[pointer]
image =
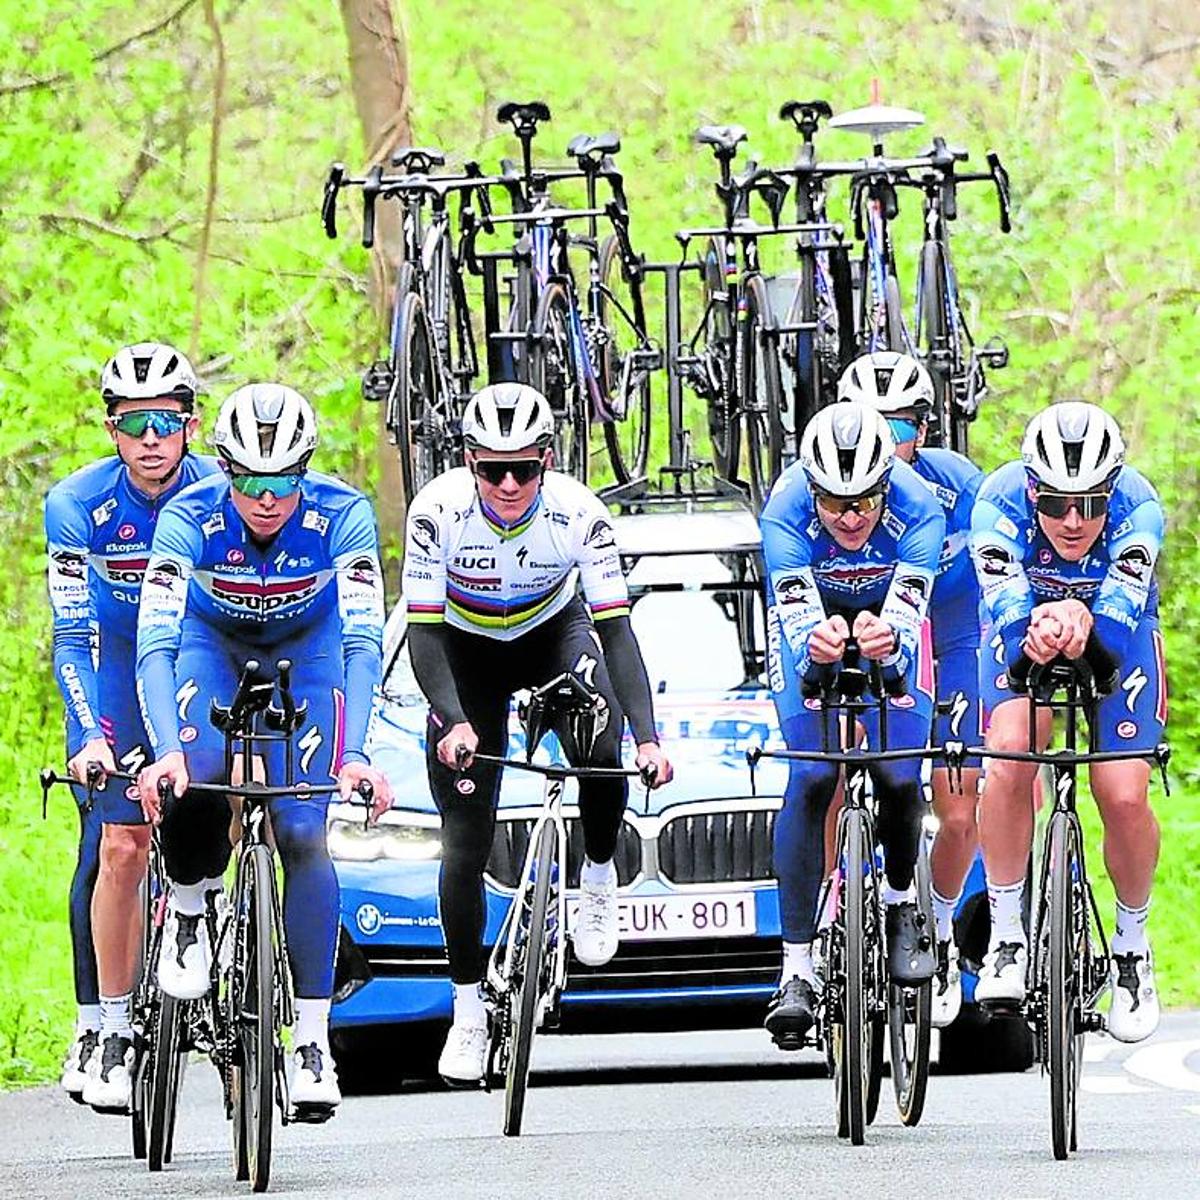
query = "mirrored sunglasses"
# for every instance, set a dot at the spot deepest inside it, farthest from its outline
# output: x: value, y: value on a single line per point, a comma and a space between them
x: 164, y: 422
x: 839, y: 505
x: 903, y: 430
x: 1057, y: 505
x: 253, y: 486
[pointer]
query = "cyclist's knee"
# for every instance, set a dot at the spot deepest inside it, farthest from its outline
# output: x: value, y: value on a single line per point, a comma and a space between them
x: 811, y: 784
x: 466, y: 839
x: 123, y: 851
x: 300, y: 834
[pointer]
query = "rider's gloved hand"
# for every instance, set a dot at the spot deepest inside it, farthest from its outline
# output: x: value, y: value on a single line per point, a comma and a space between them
x: 459, y: 735
x: 171, y: 766
x: 98, y: 751
x: 827, y: 642
x: 353, y: 773
x: 650, y: 754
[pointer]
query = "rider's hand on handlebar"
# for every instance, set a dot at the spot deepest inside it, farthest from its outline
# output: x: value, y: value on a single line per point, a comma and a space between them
x: 827, y: 642
x: 876, y: 638
x: 650, y: 755
x: 353, y: 773
x: 95, y: 751
x: 1075, y: 621
x: 172, y: 767
x: 460, y: 735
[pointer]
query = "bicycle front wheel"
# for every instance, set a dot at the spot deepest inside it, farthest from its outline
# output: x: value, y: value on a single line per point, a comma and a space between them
x: 168, y: 1059
x: 910, y: 1019
x: 553, y: 370
x: 762, y: 391
x: 625, y: 385
x: 254, y: 1017
x: 413, y: 415
x: 525, y: 989
x: 719, y: 355
x: 1068, y: 918
x: 934, y: 341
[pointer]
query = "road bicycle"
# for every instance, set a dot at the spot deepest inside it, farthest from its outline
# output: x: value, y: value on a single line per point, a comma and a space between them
x: 858, y: 1004
x: 527, y: 968
x: 1069, y: 963
x: 432, y: 361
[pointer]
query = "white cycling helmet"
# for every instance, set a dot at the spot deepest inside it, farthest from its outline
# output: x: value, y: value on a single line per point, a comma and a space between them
x: 266, y: 429
x: 507, y: 417
x: 888, y: 381
x: 148, y: 371
x: 1073, y: 447
x: 847, y: 450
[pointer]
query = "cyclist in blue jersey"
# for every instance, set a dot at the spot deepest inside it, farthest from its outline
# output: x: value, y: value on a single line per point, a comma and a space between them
x: 266, y: 560
x: 900, y: 388
x: 851, y: 540
x: 1065, y: 542
x: 495, y: 555
x: 99, y: 522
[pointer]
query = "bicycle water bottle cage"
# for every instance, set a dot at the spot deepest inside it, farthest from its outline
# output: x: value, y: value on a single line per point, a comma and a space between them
x: 724, y: 139
x: 589, y: 148
x: 523, y: 117
x: 418, y: 160
x: 568, y: 706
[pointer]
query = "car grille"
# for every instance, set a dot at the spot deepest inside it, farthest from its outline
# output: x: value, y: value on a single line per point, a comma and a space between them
x: 717, y: 847
x: 511, y: 841
x: 688, y: 962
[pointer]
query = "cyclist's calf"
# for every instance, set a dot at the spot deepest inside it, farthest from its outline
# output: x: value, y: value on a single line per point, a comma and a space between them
x: 195, y: 837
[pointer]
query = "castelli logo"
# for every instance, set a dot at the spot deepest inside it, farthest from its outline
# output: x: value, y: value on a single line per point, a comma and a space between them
x: 1127, y: 729
x: 126, y: 532
x: 465, y: 786
x: 188, y: 733
x: 235, y: 556
x: 905, y: 701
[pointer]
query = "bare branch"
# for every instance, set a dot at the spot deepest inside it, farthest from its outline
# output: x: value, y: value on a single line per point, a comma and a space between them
x: 29, y: 85
x: 1180, y: 46
x: 214, y: 150
x: 159, y: 233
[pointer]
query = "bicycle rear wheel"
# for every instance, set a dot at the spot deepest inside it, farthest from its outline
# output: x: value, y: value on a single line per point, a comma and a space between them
x: 724, y: 429
x: 525, y: 989
x: 422, y: 440
x: 910, y: 1019
x: 850, y: 1028
x: 896, y: 339
x: 1068, y: 917
x: 254, y: 1018
x: 168, y: 1059
x: 553, y: 370
x: 762, y: 391
x: 626, y: 387
x: 933, y: 339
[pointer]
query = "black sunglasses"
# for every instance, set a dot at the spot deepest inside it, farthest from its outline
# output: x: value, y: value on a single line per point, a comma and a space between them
x: 1057, y: 505
x: 522, y: 470
x: 840, y: 505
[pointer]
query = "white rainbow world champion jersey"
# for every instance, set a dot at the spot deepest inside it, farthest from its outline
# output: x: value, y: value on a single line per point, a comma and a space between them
x: 464, y: 567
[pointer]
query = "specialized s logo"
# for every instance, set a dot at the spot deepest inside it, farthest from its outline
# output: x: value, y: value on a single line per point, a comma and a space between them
x: 1133, y: 685
x: 424, y: 532
x: 309, y: 744
x: 522, y: 555
x: 959, y: 707
x: 134, y: 760
x: 184, y: 695
x: 600, y: 535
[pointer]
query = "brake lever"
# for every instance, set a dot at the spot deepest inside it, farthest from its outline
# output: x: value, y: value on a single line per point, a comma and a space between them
x: 954, y: 753
x: 1162, y: 756
x: 752, y: 757
x: 366, y: 789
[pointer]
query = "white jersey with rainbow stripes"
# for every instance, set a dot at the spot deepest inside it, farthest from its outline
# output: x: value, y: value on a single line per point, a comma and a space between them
x: 464, y: 566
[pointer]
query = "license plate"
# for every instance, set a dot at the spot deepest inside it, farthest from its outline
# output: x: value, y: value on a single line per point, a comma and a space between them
x: 661, y: 918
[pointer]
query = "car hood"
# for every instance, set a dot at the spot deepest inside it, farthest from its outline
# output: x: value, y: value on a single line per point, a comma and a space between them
x: 705, y: 734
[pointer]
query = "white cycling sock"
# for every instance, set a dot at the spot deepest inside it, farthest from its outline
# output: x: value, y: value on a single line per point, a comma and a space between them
x: 1130, y: 934
x: 114, y: 1016
x: 797, y: 961
x: 88, y: 1018
x: 1005, y: 901
x: 596, y: 874
x: 188, y: 898
x: 943, y: 912
x: 312, y: 1023
x: 469, y: 1008
x: 893, y: 895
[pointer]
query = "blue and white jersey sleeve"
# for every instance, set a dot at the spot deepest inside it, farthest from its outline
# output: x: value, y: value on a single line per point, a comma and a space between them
x: 68, y: 529
x: 355, y: 550
x: 1133, y: 551
x: 174, y: 553
x: 906, y: 604
x: 999, y: 541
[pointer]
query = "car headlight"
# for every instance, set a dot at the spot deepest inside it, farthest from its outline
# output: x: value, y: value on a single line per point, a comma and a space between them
x: 397, y: 842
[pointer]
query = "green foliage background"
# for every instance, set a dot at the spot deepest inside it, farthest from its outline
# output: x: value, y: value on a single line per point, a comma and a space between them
x: 103, y: 173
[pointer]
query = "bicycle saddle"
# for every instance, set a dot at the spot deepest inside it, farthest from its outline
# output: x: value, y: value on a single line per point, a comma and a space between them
x: 724, y: 137
x: 585, y: 145
x: 807, y: 112
x: 568, y: 706
x: 523, y: 115
x: 418, y: 160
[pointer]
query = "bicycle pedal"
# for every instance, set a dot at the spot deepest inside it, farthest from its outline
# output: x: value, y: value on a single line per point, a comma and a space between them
x: 312, y: 1114
x: 1000, y: 1008
x: 790, y: 1041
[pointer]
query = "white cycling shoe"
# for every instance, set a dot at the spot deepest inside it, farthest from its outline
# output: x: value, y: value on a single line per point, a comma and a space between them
x: 464, y: 1056
x: 185, y: 958
x: 947, y: 985
x: 1002, y: 976
x: 595, y: 934
x: 1134, y: 1013
x: 109, y: 1083
x: 314, y: 1083
x: 83, y: 1049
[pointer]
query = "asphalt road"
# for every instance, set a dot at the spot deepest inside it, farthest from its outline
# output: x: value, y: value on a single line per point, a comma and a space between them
x: 665, y: 1115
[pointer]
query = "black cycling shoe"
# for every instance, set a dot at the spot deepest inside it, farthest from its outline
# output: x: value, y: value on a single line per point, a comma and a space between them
x: 910, y: 950
x: 790, y: 1014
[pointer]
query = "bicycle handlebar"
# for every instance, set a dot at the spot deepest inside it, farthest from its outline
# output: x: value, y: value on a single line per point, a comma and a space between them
x: 647, y: 774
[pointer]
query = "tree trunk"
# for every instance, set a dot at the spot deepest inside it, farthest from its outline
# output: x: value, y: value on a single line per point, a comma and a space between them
x: 379, y: 76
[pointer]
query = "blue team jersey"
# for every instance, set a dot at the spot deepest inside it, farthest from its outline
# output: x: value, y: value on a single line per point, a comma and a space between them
x: 98, y: 533
x: 319, y: 574
x: 954, y: 481
x: 1018, y: 568
x: 808, y: 573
